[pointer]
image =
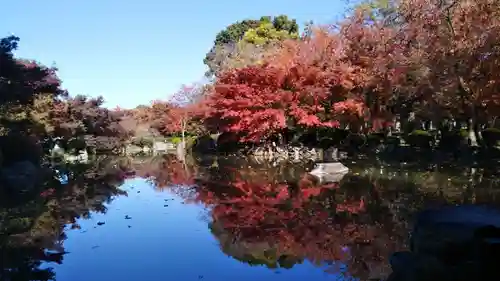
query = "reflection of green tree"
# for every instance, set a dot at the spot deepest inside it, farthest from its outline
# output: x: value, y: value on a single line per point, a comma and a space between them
x: 390, y: 197
x: 29, y: 227
x: 270, y: 259
x: 18, y: 264
x: 253, y: 254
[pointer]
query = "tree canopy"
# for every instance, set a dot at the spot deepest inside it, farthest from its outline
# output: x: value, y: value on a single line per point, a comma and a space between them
x: 34, y: 107
x: 234, y: 39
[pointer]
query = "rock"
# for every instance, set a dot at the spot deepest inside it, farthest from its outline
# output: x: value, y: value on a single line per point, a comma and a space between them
x: 329, y: 172
x: 133, y: 149
x: 22, y: 176
x: 57, y: 151
x: 436, y: 229
x: 159, y: 146
x: 81, y: 157
x: 451, y: 243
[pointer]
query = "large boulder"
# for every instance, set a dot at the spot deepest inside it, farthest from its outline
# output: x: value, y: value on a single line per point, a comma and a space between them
x: 439, y: 231
x: 451, y: 243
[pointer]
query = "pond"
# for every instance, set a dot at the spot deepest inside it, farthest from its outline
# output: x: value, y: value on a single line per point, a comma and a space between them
x: 225, y: 219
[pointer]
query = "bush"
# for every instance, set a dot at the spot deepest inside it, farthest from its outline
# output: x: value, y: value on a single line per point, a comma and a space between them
x: 491, y: 136
x: 202, y: 144
x: 228, y: 142
x: 142, y: 142
x: 16, y: 147
x: 175, y: 140
x: 450, y: 140
x: 375, y: 139
x: 339, y: 135
x: 420, y: 138
x: 394, y: 140
x: 326, y: 142
x: 355, y: 140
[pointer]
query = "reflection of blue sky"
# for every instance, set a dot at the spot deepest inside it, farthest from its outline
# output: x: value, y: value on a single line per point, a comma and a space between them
x: 163, y: 243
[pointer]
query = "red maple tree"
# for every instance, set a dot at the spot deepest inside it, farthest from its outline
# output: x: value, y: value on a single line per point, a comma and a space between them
x: 309, y: 85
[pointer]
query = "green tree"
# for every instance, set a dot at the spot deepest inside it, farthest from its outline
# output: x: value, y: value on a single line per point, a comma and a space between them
x: 259, y: 32
x: 231, y: 34
x: 267, y: 33
x: 385, y: 11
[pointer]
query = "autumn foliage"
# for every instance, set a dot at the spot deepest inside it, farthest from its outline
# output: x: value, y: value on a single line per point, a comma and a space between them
x: 182, y: 112
x: 292, y: 215
x: 434, y: 58
x: 35, y: 110
x: 424, y: 60
x: 386, y: 62
x: 309, y: 85
x: 300, y: 88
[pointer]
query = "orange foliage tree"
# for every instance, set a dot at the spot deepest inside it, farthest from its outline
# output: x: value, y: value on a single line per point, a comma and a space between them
x: 431, y: 59
x: 435, y: 59
x: 187, y: 108
x: 456, y: 42
x: 309, y: 85
x: 180, y: 114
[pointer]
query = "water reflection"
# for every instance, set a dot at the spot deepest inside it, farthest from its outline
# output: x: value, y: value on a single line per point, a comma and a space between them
x: 278, y: 216
x: 33, y: 228
x: 270, y: 218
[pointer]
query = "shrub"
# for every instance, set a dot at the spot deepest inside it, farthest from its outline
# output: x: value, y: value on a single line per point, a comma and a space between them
x: 375, y: 139
x: 421, y: 139
x: 142, y: 142
x: 450, y: 140
x: 491, y: 136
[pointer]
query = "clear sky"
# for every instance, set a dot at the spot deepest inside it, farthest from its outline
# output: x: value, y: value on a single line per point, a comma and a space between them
x: 132, y: 51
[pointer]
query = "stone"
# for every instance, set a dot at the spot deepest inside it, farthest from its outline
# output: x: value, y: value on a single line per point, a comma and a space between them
x: 133, y: 149
x: 57, y: 151
x: 81, y: 157
x: 159, y: 146
x: 329, y: 172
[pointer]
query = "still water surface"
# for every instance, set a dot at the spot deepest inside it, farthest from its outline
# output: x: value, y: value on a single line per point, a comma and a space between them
x: 162, y: 243
x: 226, y: 219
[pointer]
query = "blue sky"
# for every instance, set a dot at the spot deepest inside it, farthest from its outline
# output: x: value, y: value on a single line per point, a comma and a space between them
x: 131, y: 51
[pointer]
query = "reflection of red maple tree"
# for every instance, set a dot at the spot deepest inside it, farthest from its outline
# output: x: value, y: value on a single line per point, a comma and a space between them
x: 290, y: 218
x: 166, y: 170
x: 321, y: 222
x: 311, y: 220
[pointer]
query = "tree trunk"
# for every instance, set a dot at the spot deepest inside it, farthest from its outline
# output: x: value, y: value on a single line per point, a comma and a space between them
x: 474, y: 134
x: 183, y: 129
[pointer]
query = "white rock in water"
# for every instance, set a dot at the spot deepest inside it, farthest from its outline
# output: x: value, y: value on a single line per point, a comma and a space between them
x: 57, y: 151
x: 329, y: 172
